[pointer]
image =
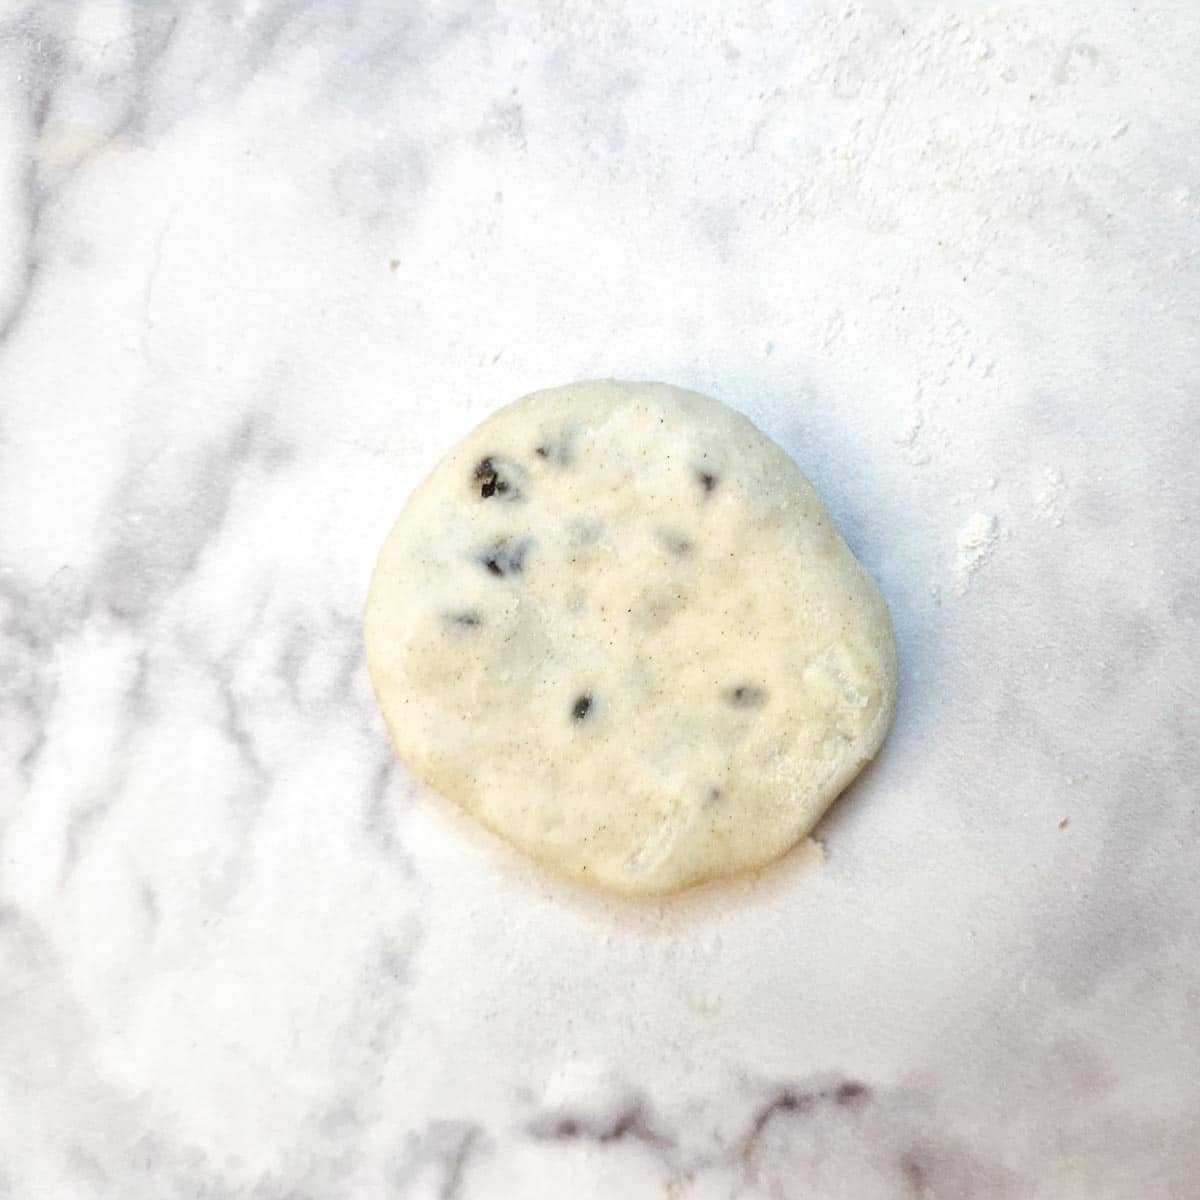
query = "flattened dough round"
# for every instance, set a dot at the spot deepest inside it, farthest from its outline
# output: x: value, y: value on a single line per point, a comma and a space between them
x: 617, y: 626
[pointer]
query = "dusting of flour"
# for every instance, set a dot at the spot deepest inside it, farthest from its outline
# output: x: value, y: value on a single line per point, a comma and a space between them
x: 976, y: 544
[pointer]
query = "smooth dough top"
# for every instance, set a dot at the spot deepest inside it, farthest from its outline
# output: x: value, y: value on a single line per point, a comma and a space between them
x: 617, y: 625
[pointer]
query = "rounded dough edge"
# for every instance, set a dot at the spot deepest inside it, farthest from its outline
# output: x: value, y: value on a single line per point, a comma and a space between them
x: 601, y: 398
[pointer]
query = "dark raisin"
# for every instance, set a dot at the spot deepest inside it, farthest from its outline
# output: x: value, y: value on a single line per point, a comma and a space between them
x: 746, y: 696
x: 707, y: 480
x: 582, y: 707
x: 558, y: 450
x: 491, y: 481
x: 468, y: 618
x: 486, y: 474
x: 505, y: 558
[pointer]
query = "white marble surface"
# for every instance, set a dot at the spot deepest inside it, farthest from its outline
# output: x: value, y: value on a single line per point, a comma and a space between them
x: 262, y: 263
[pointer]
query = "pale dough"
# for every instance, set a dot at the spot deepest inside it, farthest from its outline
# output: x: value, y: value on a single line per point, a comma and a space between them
x: 617, y: 625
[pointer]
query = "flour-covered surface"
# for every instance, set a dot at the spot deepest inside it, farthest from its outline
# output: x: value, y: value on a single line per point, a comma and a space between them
x: 264, y: 264
x: 617, y: 626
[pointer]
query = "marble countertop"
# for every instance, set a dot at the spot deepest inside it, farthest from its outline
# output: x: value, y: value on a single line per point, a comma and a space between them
x: 263, y: 262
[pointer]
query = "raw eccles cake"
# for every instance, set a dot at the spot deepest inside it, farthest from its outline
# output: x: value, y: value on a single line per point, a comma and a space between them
x: 617, y: 626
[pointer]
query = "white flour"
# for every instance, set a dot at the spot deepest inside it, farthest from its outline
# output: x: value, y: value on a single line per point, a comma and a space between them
x: 976, y: 544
